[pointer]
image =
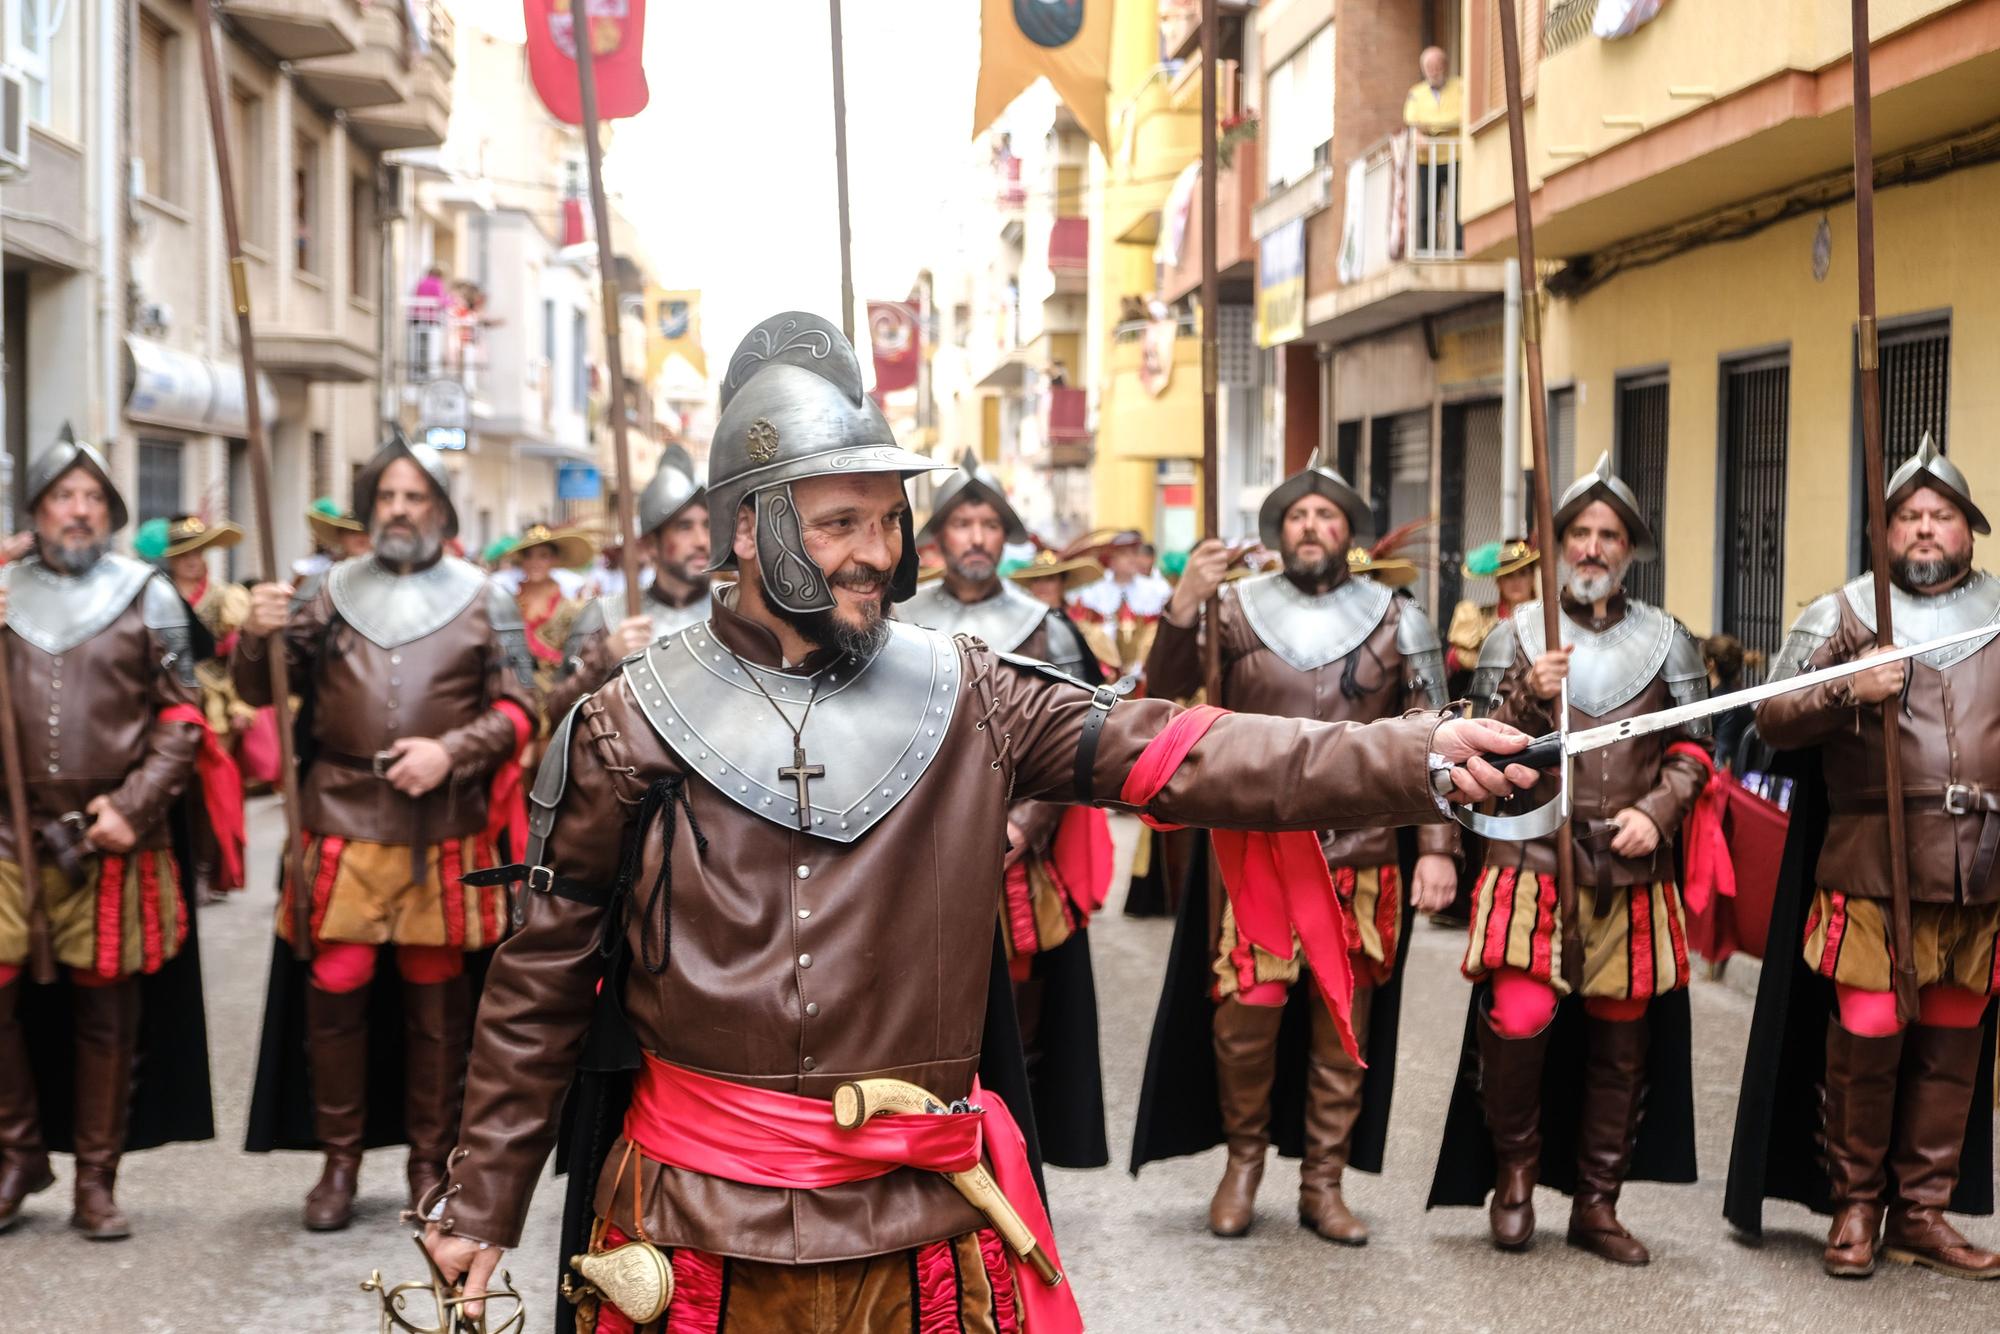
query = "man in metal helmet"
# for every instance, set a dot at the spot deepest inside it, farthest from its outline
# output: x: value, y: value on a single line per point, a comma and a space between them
x: 1903, y: 1105
x: 673, y: 536
x: 415, y: 676
x: 786, y: 826
x: 1312, y: 640
x: 1618, y: 658
x: 1058, y: 868
x: 107, y: 713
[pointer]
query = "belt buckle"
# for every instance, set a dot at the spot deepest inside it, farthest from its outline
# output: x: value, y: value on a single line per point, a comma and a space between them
x: 379, y: 762
x: 541, y: 879
x: 1959, y: 798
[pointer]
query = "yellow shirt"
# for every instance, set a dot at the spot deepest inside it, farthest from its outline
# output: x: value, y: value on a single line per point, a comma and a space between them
x: 1435, y: 110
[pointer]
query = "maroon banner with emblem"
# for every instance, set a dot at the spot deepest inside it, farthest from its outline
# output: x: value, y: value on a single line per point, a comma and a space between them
x: 893, y: 330
x: 617, y: 46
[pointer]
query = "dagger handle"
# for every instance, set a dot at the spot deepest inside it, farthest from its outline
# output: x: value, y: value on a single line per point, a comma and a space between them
x: 1544, y: 752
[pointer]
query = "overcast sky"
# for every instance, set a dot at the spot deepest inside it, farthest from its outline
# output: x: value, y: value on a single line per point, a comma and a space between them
x: 729, y: 171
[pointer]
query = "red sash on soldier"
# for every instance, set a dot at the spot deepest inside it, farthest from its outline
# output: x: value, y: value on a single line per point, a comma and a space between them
x: 221, y: 792
x: 1278, y: 884
x: 762, y: 1137
x: 506, y: 794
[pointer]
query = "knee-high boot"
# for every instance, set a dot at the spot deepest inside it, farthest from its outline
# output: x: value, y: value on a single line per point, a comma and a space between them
x: 1614, y: 1082
x: 1859, y: 1108
x: 1333, y: 1105
x: 1246, y: 1061
x: 437, y: 1029
x: 337, y: 1050
x: 1941, y: 1065
x: 107, y: 1039
x: 24, y: 1161
x: 1510, y: 1088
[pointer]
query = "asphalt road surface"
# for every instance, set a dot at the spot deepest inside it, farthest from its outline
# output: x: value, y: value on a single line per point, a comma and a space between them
x: 217, y: 1244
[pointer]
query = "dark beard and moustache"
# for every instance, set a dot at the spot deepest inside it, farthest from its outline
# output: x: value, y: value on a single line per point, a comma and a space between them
x: 403, y: 549
x: 1314, y: 575
x: 965, y: 570
x: 826, y: 629
x: 695, y: 577
x: 74, y: 560
x: 1917, y: 574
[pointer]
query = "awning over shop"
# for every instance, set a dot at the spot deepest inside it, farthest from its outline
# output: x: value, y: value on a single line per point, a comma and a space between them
x: 165, y: 386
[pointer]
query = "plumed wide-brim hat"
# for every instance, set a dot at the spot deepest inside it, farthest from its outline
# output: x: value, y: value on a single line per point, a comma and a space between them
x: 572, y: 547
x: 190, y: 532
x: 1493, y: 559
x: 1075, y: 572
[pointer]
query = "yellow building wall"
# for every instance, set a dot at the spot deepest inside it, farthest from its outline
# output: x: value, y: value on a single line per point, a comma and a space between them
x: 1934, y: 244
x: 1151, y: 142
x: 1716, y: 46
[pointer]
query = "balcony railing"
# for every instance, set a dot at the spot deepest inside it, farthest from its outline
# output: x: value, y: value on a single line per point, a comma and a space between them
x: 1409, y: 206
x: 440, y: 341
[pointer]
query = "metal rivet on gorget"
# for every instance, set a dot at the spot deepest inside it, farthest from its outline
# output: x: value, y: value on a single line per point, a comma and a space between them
x: 930, y: 731
x: 865, y: 810
x: 821, y: 819
x: 743, y: 789
x: 843, y: 824
x: 767, y: 801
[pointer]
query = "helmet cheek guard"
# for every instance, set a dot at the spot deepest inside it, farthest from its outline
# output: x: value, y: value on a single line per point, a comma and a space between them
x: 791, y: 578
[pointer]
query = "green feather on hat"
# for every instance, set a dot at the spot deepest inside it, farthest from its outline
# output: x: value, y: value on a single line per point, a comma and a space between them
x: 150, y: 542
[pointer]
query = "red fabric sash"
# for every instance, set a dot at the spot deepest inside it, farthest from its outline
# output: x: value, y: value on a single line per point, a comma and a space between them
x: 1082, y: 859
x: 762, y: 1137
x: 221, y: 792
x: 507, y: 794
x: 1277, y: 883
x: 1709, y: 872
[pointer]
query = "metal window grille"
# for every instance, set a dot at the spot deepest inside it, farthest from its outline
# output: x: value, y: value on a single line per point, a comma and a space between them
x: 1642, y: 462
x: 1469, y: 492
x: 1236, y: 345
x: 159, y: 479
x: 1756, y: 426
x: 1916, y: 389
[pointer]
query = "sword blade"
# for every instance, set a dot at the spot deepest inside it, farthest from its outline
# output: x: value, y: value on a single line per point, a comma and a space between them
x: 1595, y: 738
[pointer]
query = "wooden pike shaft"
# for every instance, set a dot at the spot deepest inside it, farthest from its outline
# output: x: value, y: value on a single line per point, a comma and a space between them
x: 41, y: 957
x: 260, y: 477
x: 607, y: 273
x: 1211, y: 453
x: 840, y: 170
x: 1874, y: 485
x: 1538, y: 416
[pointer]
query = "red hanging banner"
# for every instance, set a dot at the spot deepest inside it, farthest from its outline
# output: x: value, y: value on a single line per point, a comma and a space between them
x: 617, y: 45
x: 892, y: 329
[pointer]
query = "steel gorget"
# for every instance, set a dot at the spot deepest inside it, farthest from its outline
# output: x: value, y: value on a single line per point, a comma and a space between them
x: 1309, y: 632
x: 390, y: 609
x: 1002, y: 622
x: 1917, y: 619
x: 875, y: 728
x: 1610, y: 666
x: 56, y: 612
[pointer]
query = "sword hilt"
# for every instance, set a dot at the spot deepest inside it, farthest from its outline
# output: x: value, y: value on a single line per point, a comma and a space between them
x: 1544, y: 752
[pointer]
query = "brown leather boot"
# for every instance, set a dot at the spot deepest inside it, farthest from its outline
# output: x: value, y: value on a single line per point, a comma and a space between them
x: 106, y: 1021
x: 1333, y: 1104
x: 1614, y: 1080
x: 1246, y: 1060
x: 437, y: 1029
x: 337, y: 1051
x: 1510, y: 1088
x: 1859, y: 1108
x: 24, y: 1162
x: 1930, y: 1133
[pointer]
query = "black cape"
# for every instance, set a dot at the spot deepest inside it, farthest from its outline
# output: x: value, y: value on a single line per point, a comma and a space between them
x: 1775, y: 1154
x: 1665, y: 1148
x: 594, y: 1111
x: 170, y: 1088
x: 1067, y: 1085
x: 1179, y: 1108
x: 281, y: 1102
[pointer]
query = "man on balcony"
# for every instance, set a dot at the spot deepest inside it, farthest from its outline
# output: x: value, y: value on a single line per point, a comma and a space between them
x: 1433, y: 109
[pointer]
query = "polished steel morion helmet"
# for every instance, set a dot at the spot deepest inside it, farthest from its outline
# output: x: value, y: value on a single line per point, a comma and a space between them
x: 1315, y: 479
x: 674, y: 487
x: 428, y: 461
x: 1601, y: 483
x: 973, y: 481
x: 793, y: 407
x: 1929, y: 467
x: 69, y: 453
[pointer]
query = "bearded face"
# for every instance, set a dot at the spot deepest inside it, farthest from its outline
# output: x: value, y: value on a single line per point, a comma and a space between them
x: 1313, y: 542
x: 1596, y: 553
x: 73, y: 523
x: 970, y: 540
x: 407, y: 524
x: 1930, y: 542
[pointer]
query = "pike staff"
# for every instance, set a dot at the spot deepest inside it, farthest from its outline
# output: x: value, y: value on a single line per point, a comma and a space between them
x: 1538, y: 431
x: 1211, y: 459
x: 607, y: 272
x: 260, y: 477
x: 1873, y: 486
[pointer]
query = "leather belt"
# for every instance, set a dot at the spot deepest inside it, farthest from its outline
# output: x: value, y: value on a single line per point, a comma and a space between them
x: 1954, y: 799
x: 377, y: 766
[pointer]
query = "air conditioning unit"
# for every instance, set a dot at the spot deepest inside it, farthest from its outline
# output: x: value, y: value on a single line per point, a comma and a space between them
x: 13, y: 125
